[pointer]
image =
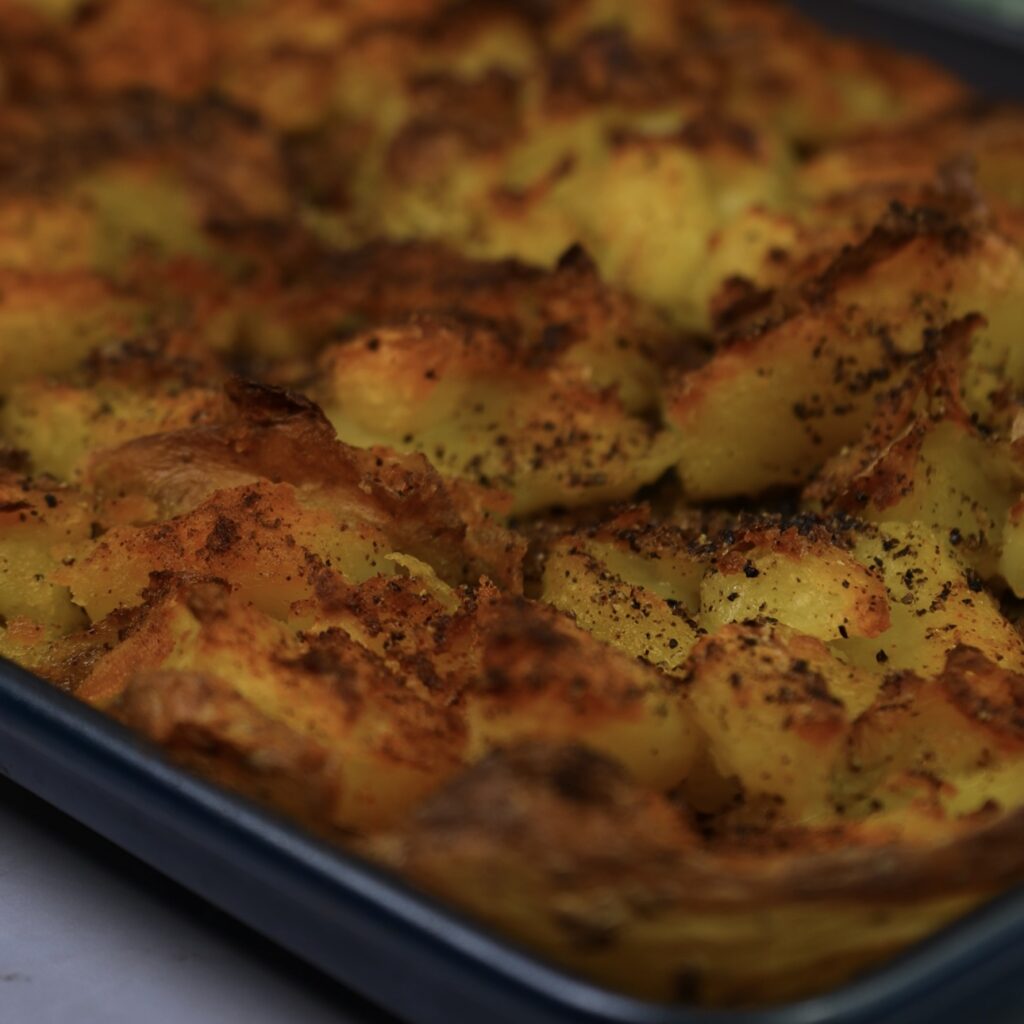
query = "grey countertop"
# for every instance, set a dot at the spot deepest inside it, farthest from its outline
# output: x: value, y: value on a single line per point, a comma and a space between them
x: 91, y: 936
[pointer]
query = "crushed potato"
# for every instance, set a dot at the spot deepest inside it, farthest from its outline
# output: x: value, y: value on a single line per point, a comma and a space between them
x: 571, y: 454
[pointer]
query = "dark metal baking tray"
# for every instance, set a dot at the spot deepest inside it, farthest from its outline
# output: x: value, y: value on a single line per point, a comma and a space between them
x: 421, y: 960
x: 964, y: 35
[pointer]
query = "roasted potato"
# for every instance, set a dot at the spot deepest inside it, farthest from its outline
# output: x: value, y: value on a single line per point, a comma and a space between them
x: 272, y: 714
x: 811, y: 366
x: 569, y: 453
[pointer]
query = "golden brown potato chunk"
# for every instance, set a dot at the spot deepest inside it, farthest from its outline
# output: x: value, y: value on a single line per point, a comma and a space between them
x: 231, y: 690
x: 924, y: 458
x: 545, y: 386
x: 955, y: 742
x: 774, y: 403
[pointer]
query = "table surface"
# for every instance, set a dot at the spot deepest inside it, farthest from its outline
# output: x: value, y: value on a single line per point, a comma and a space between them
x: 91, y: 936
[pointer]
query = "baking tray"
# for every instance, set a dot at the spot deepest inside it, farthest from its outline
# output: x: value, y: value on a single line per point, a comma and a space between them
x: 417, y: 958
x: 981, y: 40
x: 400, y: 949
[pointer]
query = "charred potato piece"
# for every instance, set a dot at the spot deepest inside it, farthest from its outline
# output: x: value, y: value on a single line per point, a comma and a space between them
x: 955, y: 742
x: 542, y: 677
x: 62, y: 424
x: 268, y: 434
x: 498, y: 168
x: 567, y: 317
x: 203, y: 723
x: 101, y: 184
x: 887, y: 597
x: 936, y: 603
x: 231, y: 690
x: 651, y: 209
x: 261, y: 536
x: 50, y: 323
x: 40, y: 530
x: 632, y: 584
x: 647, y: 202
x: 924, y: 459
x: 799, y: 577
x: 659, y: 584
x: 522, y: 422
x: 663, y: 558
x: 776, y: 707
x: 628, y: 617
x: 991, y: 137
x: 812, y: 371
x: 517, y: 669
